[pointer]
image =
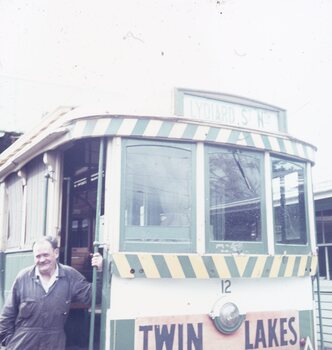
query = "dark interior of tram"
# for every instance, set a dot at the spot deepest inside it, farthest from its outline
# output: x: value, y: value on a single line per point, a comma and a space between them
x: 78, y: 229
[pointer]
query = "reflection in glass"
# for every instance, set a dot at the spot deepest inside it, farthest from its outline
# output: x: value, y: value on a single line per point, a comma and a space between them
x: 289, y: 202
x: 235, y: 195
x: 158, y: 192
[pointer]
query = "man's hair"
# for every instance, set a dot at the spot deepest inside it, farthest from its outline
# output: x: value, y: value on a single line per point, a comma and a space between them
x: 51, y: 240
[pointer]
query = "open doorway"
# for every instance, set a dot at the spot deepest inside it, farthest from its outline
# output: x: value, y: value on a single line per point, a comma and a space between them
x: 78, y: 234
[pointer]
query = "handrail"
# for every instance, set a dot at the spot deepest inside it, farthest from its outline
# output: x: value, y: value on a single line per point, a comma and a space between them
x: 68, y: 190
x: 96, y: 242
x: 319, y: 310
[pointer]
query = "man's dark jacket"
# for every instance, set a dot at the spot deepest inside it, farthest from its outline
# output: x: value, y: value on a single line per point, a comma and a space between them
x: 33, y: 319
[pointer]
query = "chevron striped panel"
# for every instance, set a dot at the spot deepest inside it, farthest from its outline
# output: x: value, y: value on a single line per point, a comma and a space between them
x: 186, y: 130
x: 145, y: 265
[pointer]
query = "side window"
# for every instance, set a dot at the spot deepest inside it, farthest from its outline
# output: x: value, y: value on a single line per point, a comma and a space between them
x: 235, y: 200
x: 14, y: 197
x: 289, y: 197
x: 25, y: 202
x: 35, y: 188
x: 158, y: 208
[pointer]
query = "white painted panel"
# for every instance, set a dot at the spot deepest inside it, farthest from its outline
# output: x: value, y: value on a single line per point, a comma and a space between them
x: 143, y: 297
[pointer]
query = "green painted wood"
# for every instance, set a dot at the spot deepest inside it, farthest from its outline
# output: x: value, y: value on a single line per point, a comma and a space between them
x: 307, y: 325
x: 122, y: 334
x: 15, y: 262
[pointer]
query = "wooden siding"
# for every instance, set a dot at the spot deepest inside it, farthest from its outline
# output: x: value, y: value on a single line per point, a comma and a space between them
x: 326, y: 313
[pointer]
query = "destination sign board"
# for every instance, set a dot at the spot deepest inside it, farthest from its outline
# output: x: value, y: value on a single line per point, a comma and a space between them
x: 229, y: 110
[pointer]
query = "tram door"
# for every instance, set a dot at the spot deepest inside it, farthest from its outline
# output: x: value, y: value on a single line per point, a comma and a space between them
x: 78, y: 226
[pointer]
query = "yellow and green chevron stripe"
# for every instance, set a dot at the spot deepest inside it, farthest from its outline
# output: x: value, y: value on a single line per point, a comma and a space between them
x: 145, y: 265
x: 177, y: 129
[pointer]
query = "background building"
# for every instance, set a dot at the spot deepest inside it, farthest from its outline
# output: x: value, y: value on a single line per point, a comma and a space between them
x: 7, y: 138
x: 323, y: 210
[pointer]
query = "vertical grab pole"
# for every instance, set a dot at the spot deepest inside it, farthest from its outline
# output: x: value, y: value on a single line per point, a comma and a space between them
x: 319, y: 308
x: 68, y: 183
x: 47, y: 176
x: 96, y: 243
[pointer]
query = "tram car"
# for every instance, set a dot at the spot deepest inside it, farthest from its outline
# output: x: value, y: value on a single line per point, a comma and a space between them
x: 204, y: 218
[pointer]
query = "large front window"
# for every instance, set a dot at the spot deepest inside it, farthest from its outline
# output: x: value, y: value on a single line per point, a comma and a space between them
x: 235, y: 199
x: 159, y: 204
x: 158, y: 196
x: 288, y: 190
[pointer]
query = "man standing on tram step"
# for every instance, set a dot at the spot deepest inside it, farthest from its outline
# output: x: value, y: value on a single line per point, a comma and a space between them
x: 35, y: 312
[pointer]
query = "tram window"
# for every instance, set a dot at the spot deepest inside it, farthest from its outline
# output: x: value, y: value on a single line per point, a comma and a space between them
x: 235, y: 196
x: 14, y: 197
x: 158, y: 196
x: 32, y: 206
x: 288, y: 192
x: 80, y: 232
x: 35, y: 188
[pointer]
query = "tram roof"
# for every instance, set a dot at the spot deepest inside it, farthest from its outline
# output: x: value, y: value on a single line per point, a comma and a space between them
x: 69, y: 123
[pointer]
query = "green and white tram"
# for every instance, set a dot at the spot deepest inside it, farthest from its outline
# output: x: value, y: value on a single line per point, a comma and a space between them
x: 205, y: 220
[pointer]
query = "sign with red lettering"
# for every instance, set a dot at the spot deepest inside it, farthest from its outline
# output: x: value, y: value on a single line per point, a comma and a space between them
x: 265, y: 330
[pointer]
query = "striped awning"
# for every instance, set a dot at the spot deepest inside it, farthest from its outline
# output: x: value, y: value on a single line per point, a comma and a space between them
x: 144, y: 265
x: 176, y: 129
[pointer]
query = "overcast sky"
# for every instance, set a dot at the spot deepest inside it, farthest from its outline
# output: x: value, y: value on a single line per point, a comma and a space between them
x: 276, y: 51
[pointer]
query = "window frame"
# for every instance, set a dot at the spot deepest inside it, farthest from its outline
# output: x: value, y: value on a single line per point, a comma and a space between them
x: 227, y: 246
x: 293, y: 248
x: 15, y: 204
x: 164, y: 246
x: 35, y: 172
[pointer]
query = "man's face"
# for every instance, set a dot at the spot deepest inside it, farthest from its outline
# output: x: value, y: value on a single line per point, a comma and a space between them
x: 45, y: 257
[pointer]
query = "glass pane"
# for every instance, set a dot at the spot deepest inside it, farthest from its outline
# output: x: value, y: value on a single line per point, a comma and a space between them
x: 319, y: 231
x: 158, y: 189
x: 329, y: 254
x: 322, y: 261
x: 235, y: 195
x: 289, y: 202
x: 327, y: 227
x: 324, y: 226
x: 35, y: 192
x: 14, y: 195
